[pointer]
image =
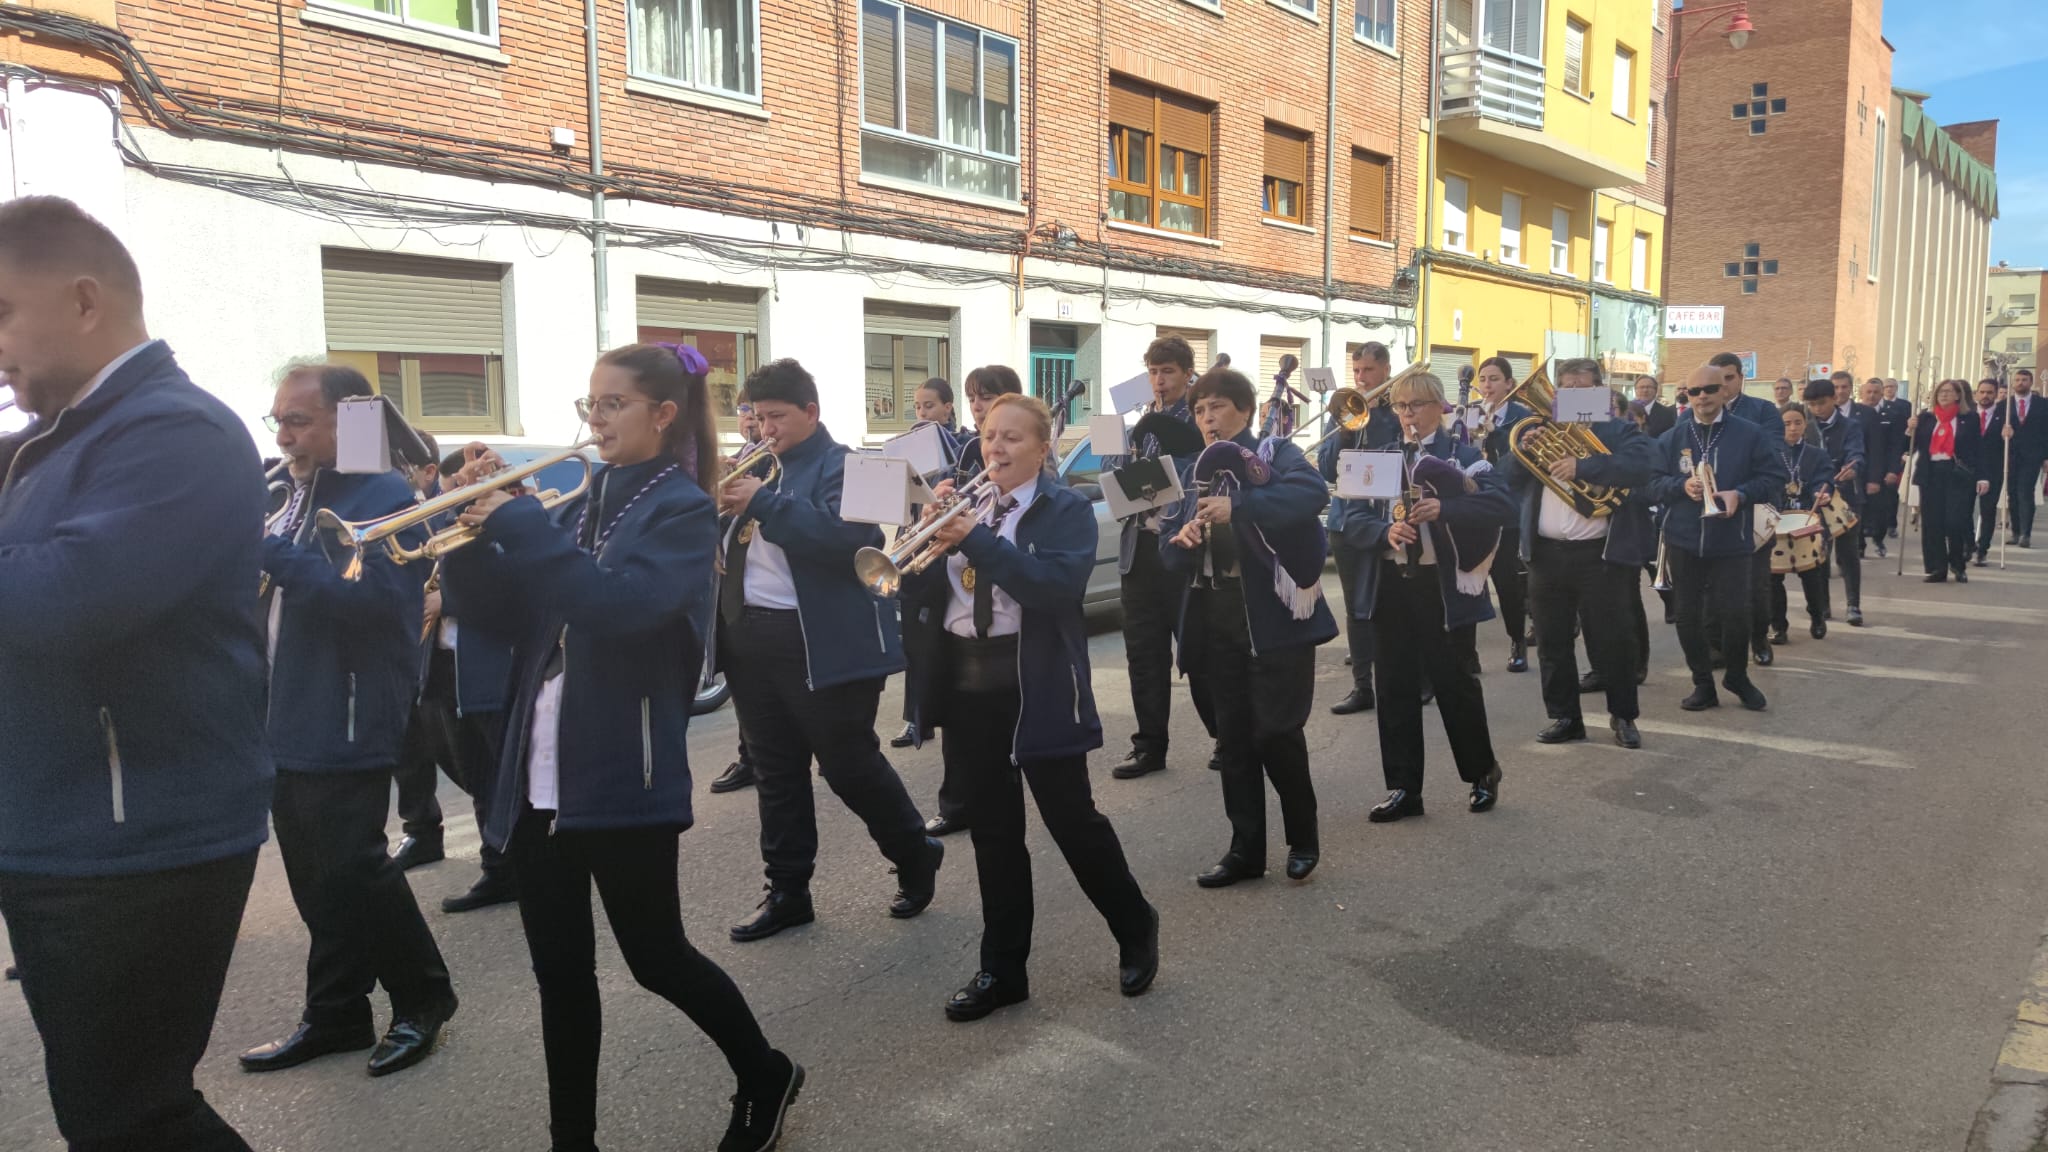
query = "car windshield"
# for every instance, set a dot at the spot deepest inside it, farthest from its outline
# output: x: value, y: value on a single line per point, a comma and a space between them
x: 1083, y: 466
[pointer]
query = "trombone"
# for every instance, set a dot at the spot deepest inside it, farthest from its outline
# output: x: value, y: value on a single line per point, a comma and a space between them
x: 360, y: 535
x: 750, y: 459
x: 1353, y: 408
x: 882, y: 572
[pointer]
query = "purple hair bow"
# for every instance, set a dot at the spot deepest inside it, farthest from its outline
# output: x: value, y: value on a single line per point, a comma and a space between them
x: 693, y: 360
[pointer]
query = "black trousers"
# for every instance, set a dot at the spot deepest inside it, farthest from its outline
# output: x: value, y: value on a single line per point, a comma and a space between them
x: 1150, y: 602
x: 1632, y: 595
x: 366, y: 926
x: 635, y: 873
x: 1848, y: 558
x: 788, y: 725
x: 122, y: 975
x: 2026, y: 481
x: 1946, y: 495
x: 1720, y: 585
x: 465, y: 746
x: 1414, y: 647
x: 1987, y: 512
x: 1568, y: 583
x: 1814, y: 582
x: 1262, y: 703
x: 1358, y: 634
x: 1511, y: 586
x: 1881, y: 512
x: 425, y: 755
x: 977, y: 756
x: 1760, y: 596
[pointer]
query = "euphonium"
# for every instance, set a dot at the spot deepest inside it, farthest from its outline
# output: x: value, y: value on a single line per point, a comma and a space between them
x: 1556, y: 442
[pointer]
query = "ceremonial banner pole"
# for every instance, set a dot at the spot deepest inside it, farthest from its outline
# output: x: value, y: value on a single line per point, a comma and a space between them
x: 1906, y: 473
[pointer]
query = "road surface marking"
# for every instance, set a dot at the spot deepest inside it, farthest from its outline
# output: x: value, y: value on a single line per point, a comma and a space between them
x: 1823, y: 749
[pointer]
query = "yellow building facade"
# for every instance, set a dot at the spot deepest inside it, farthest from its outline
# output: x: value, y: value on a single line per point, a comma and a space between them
x: 1545, y: 237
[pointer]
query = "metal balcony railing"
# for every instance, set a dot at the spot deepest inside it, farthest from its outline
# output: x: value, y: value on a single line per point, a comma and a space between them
x: 1490, y: 83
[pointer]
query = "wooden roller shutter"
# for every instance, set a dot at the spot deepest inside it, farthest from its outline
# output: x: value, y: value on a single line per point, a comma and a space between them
x: 878, y: 66
x: 1271, y: 349
x: 1369, y: 195
x: 1130, y: 103
x: 1286, y: 154
x: 387, y: 302
x: 920, y: 75
x: 1185, y: 123
x: 1197, y: 339
x: 684, y: 304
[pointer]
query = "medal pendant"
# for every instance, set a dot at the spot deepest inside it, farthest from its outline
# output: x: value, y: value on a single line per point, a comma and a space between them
x: 967, y: 578
x: 1685, y: 461
x: 747, y: 532
x: 1400, y: 513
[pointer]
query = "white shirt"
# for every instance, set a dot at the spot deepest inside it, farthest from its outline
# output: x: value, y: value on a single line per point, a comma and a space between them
x: 1428, y: 543
x: 543, y: 748
x: 769, y: 582
x: 113, y: 366
x: 1008, y: 616
x: 1556, y: 519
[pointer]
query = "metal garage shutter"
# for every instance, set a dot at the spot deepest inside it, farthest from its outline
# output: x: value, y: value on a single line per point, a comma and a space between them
x: 1197, y: 339
x: 687, y: 304
x: 1271, y: 349
x: 909, y: 320
x: 1523, y: 364
x: 387, y: 302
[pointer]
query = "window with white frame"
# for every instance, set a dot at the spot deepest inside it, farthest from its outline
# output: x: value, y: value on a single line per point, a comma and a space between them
x: 474, y: 18
x: 1375, y: 22
x: 1511, y: 26
x: 905, y: 345
x: 1306, y: 7
x: 705, y: 44
x: 1600, y: 251
x: 2020, y: 344
x: 1510, y: 228
x: 429, y: 333
x: 2021, y: 302
x: 1561, y: 241
x: 1575, y: 57
x: 1457, y: 196
x: 1877, y: 197
x: 1622, y: 98
x: 1650, y: 135
x: 1639, y: 262
x: 938, y: 102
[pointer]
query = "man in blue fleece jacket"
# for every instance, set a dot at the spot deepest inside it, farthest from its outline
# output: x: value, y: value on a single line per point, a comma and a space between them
x: 134, y: 777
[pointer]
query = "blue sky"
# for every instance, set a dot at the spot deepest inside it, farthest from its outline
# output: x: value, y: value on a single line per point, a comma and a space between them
x: 1984, y: 60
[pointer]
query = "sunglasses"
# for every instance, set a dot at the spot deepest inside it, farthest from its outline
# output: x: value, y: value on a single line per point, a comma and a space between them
x: 1703, y: 390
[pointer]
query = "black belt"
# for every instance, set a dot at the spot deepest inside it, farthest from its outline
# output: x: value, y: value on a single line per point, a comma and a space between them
x: 983, y: 664
x: 1596, y: 543
x: 771, y: 613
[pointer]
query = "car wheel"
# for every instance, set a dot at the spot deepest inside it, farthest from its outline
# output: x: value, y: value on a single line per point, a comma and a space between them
x: 712, y: 693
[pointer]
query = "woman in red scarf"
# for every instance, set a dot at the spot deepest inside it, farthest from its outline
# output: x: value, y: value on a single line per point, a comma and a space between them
x: 1945, y: 465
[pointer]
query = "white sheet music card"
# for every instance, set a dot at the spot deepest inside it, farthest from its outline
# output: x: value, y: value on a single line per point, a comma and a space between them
x: 876, y: 490
x: 922, y: 447
x: 361, y: 439
x: 1107, y: 436
x: 1141, y: 486
x: 1132, y: 394
x: 1583, y: 405
x: 1320, y: 379
x: 1363, y: 475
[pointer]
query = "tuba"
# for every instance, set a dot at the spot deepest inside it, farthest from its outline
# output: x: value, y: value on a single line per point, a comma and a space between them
x: 1555, y: 442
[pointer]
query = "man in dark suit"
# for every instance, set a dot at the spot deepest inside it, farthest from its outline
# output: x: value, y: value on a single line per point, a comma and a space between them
x: 1764, y: 415
x: 1842, y: 435
x: 2027, y: 427
x: 1659, y: 416
x: 1886, y: 455
x: 1990, y: 465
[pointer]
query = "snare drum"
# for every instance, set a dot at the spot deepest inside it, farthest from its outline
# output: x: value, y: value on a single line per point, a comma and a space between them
x: 1838, y: 517
x: 1801, y: 545
x: 1763, y: 525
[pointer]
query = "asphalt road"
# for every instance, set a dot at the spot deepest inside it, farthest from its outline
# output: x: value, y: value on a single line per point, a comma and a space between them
x: 1804, y: 929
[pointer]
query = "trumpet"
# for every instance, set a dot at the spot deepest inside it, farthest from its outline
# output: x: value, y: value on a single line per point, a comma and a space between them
x: 882, y: 572
x: 751, y: 459
x: 360, y: 535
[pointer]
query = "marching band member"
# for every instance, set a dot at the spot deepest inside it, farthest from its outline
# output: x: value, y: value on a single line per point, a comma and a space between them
x: 1763, y: 414
x: 1511, y: 575
x: 136, y: 773
x: 1712, y: 554
x: 1810, y: 481
x: 1426, y: 597
x: 344, y: 671
x: 610, y: 597
x: 982, y: 386
x: 1010, y: 687
x: 740, y: 773
x: 1843, y: 431
x: 1583, y: 568
x: 1370, y: 366
x: 1946, y: 457
x: 808, y: 650
x: 935, y: 403
x: 1247, y: 568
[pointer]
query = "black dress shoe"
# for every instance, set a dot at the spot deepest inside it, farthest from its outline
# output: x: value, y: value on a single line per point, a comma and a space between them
x: 983, y: 995
x: 1781, y: 635
x: 915, y: 888
x: 1300, y: 863
x: 1358, y: 701
x: 306, y: 1043
x: 1228, y: 871
x: 1643, y: 675
x: 1703, y: 697
x: 1748, y: 694
x: 1561, y: 731
x: 1216, y: 760
x: 1139, y: 764
x: 905, y: 738
x: 737, y: 775
x: 409, y: 1040
x: 13, y: 973
x: 1977, y: 561
x: 1880, y: 550
x: 1962, y: 576
x: 1592, y: 682
x: 1399, y: 805
x: 760, y: 1107
x: 414, y: 852
x: 1935, y: 578
x: 779, y: 909
x: 1137, y: 965
x: 1855, y: 616
x: 1763, y: 654
x: 1428, y: 693
x: 1819, y: 630
x: 1487, y: 792
x: 1518, y: 660
x: 490, y: 888
x: 1625, y: 733
x: 943, y: 826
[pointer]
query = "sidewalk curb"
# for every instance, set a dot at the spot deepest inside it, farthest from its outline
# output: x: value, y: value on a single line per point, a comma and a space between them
x: 2014, y: 1118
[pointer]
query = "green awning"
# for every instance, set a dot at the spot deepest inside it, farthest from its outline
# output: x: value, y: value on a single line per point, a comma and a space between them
x: 1966, y: 172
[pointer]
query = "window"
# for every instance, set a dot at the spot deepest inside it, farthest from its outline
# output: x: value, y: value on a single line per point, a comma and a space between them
x: 1759, y: 89
x: 1650, y: 135
x: 905, y: 346
x: 1877, y: 196
x: 707, y: 44
x: 1511, y: 26
x: 1639, y: 262
x: 1561, y: 241
x: 1456, y: 194
x: 1756, y: 127
x: 473, y: 17
x: 1369, y: 184
x: 430, y: 333
x: 1307, y: 7
x: 938, y: 102
x: 1575, y: 56
x: 1749, y: 287
x: 2020, y: 344
x: 1600, y: 251
x: 1158, y: 158
x: 1770, y: 267
x: 2022, y: 303
x: 1510, y: 228
x: 1752, y: 251
x: 723, y: 323
x: 1622, y: 98
x: 1284, y: 193
x: 1375, y: 22
x: 1200, y: 340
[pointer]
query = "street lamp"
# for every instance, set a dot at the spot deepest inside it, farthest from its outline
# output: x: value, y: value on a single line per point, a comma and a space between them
x: 1737, y: 31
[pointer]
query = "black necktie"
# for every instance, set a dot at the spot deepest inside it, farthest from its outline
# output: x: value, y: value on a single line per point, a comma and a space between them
x: 1408, y: 457
x: 732, y: 592
x: 984, y: 590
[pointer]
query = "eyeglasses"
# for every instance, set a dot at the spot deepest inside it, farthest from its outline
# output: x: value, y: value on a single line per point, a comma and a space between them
x: 1412, y: 405
x: 1705, y: 390
x: 609, y: 407
x: 295, y: 421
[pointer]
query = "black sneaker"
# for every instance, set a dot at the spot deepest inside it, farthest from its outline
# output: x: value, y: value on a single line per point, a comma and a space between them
x: 758, y: 1110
